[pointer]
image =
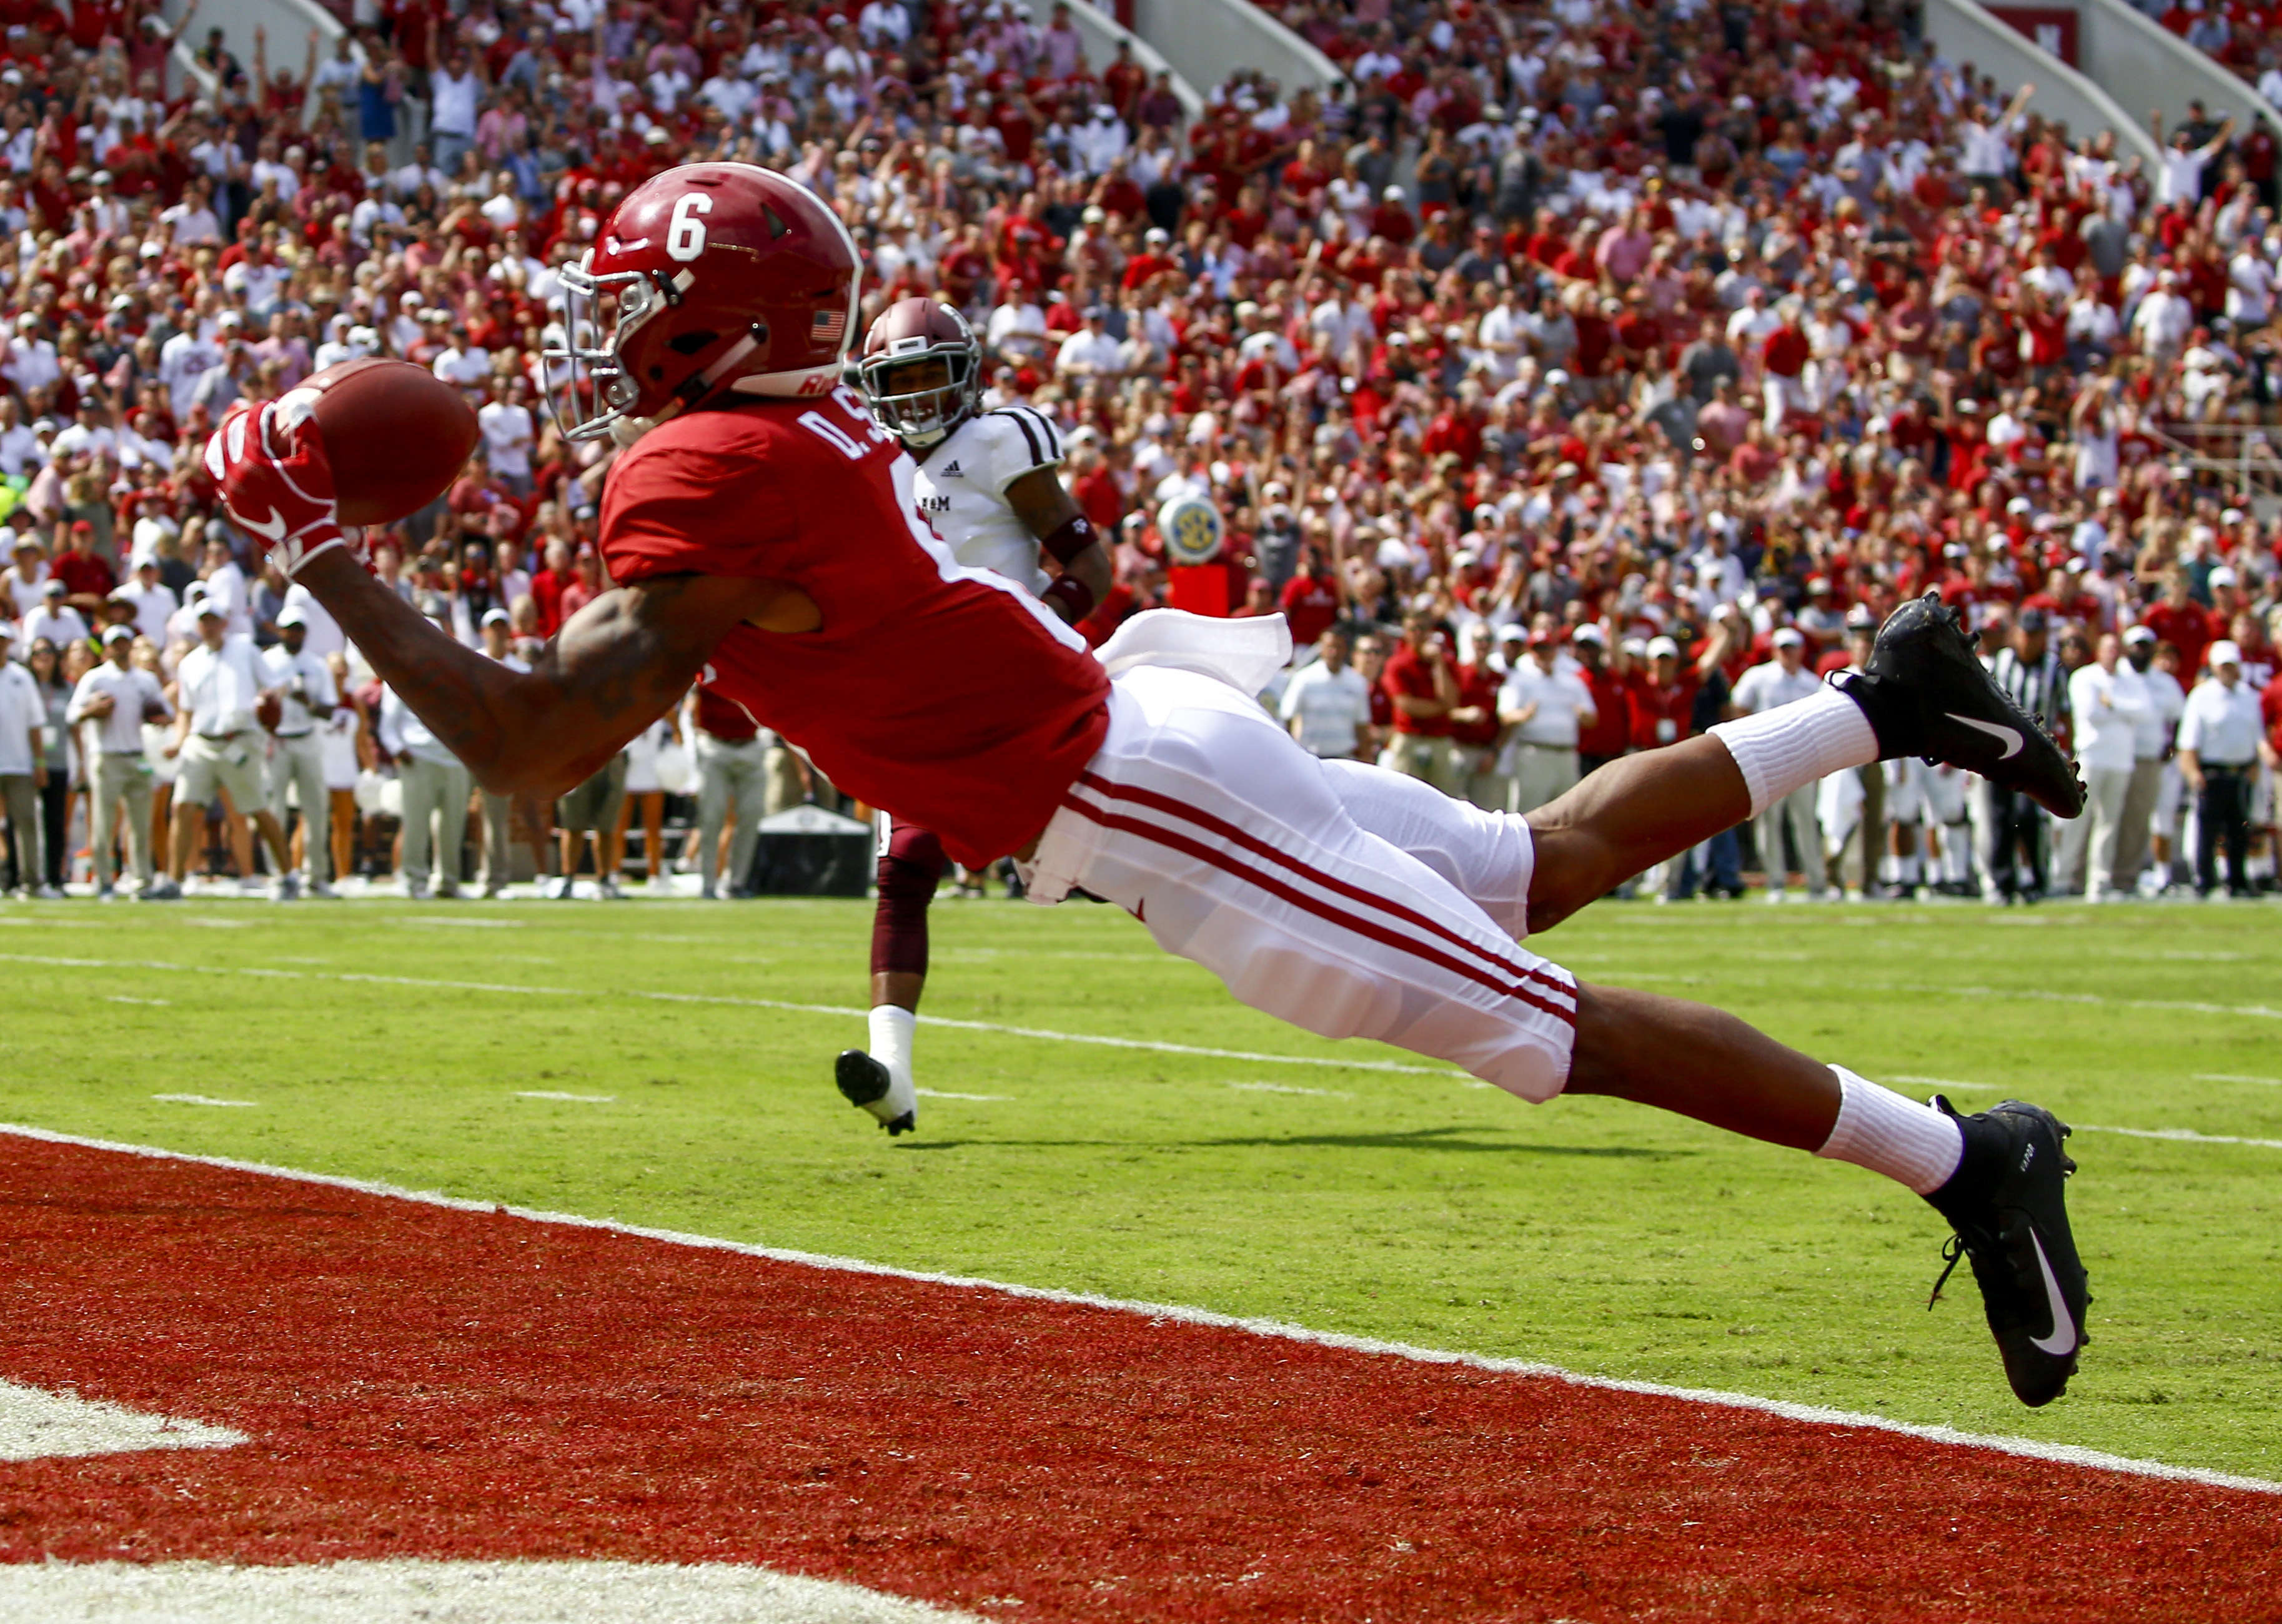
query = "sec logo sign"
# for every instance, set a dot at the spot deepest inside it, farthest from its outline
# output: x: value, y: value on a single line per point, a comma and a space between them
x: 1192, y: 530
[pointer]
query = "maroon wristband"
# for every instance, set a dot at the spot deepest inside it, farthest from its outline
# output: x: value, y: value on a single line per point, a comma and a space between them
x: 1070, y: 596
x: 1071, y: 539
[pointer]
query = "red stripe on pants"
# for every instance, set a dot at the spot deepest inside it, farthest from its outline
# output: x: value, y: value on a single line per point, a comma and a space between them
x: 1298, y: 899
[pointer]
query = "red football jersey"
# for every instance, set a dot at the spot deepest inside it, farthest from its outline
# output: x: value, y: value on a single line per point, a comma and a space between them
x: 945, y: 695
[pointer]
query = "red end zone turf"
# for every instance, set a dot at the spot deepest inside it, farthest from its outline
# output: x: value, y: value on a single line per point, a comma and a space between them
x: 422, y: 1381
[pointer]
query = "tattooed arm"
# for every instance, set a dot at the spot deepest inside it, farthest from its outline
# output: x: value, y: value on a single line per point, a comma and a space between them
x: 618, y: 664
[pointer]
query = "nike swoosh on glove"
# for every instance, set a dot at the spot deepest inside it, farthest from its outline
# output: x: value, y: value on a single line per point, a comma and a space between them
x: 286, y: 501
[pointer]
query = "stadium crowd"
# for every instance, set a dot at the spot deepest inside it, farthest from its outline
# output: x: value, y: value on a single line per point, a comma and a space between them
x: 1573, y: 374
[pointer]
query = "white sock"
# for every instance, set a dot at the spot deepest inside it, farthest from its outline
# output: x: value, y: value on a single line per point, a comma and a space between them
x: 1793, y: 745
x: 892, y: 1029
x: 1890, y: 1133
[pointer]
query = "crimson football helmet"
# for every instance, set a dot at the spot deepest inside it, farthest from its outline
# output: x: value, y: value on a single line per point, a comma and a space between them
x: 917, y: 401
x: 712, y: 277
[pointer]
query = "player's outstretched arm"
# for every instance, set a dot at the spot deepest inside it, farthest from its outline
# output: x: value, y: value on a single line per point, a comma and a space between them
x: 617, y: 665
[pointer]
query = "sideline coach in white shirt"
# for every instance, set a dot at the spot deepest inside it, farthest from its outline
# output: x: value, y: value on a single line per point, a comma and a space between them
x: 1327, y: 704
x: 218, y: 742
x: 1544, y: 706
x: 307, y: 696
x: 436, y: 791
x: 1783, y: 681
x: 23, y: 769
x: 111, y: 703
x: 2222, y: 739
x: 2107, y: 698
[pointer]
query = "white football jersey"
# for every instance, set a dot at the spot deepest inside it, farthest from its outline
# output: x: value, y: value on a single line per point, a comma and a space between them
x: 962, y: 490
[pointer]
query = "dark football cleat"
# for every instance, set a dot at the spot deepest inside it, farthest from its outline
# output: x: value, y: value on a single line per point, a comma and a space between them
x: 1927, y: 694
x: 868, y: 1083
x: 2007, y: 1203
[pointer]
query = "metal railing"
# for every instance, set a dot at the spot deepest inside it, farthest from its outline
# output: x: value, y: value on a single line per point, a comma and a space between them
x: 2243, y: 456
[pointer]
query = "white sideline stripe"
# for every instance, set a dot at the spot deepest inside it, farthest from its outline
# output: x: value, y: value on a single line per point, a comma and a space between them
x: 2030, y: 1449
x: 937, y: 1093
x: 400, y: 1590
x: 700, y: 997
x: 204, y: 1099
x: 2229, y: 1077
x: 553, y: 1094
x: 37, y: 1424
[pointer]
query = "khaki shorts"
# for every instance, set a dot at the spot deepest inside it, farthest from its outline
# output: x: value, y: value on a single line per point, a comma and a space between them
x: 594, y: 806
x: 212, y: 765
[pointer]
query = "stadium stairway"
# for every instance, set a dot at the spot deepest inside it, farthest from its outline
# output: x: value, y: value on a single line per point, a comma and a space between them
x: 2147, y: 67
x: 1965, y: 31
x: 1101, y: 31
x: 1205, y: 39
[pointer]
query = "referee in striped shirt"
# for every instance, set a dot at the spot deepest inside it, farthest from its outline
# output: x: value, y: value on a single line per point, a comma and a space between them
x: 2015, y: 850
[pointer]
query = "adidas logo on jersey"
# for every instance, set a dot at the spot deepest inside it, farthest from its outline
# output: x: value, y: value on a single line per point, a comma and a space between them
x: 950, y: 472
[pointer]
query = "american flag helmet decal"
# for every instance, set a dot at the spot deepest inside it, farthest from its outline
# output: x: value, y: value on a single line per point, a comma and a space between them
x: 829, y: 326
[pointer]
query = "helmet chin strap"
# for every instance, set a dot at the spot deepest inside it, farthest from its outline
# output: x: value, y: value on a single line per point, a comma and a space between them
x: 697, y: 385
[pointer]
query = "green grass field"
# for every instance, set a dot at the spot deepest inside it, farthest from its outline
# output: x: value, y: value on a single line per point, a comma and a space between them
x: 1424, y: 1207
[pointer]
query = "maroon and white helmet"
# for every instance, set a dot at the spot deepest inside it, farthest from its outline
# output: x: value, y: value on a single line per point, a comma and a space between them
x: 713, y: 276
x: 922, y: 371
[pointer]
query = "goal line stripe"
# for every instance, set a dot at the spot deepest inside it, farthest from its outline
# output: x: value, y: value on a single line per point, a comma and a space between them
x: 1815, y: 1414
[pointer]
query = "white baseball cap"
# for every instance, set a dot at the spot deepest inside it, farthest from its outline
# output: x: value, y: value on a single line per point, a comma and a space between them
x: 2226, y: 651
x: 1661, y: 648
x: 1788, y: 637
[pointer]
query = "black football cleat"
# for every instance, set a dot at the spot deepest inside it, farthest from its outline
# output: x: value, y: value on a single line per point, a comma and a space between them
x: 1927, y: 694
x: 868, y: 1083
x: 2007, y: 1203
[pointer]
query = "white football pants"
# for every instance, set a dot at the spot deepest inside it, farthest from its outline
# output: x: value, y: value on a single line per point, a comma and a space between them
x: 1348, y: 900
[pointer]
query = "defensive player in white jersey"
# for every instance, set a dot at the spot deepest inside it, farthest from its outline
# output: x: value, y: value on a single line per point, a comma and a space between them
x: 988, y: 483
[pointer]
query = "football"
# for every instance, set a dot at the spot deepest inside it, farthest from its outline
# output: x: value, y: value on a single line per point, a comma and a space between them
x: 397, y: 434
x: 269, y: 709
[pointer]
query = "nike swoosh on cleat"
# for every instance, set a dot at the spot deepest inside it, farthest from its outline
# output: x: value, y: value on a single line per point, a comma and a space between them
x: 271, y: 529
x: 2010, y: 738
x: 2062, y: 1339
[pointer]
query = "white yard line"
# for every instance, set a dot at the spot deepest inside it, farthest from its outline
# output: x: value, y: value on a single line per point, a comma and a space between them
x: 846, y: 1012
x: 401, y: 1590
x: 244, y: 1105
x: 2184, y: 1135
x: 550, y: 1093
x: 2036, y: 995
x: 1819, y: 1415
x: 1095, y: 1039
x: 840, y: 1011
x: 937, y: 1093
x: 37, y: 1424
x: 2229, y: 1077
x: 2187, y: 1135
